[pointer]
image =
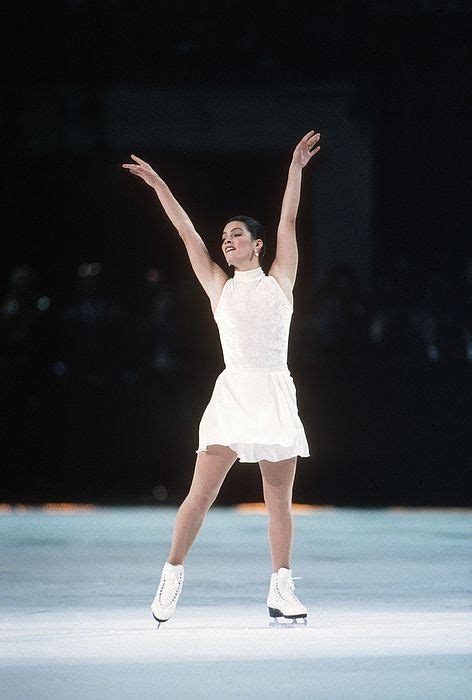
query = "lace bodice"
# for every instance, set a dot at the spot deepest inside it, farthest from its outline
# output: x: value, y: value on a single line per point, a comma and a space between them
x: 253, y: 317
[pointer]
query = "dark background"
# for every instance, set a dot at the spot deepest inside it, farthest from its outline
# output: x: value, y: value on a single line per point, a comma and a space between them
x: 108, y: 348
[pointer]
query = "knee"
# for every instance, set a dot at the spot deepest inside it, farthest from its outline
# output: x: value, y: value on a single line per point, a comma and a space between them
x: 278, y: 500
x: 201, y: 501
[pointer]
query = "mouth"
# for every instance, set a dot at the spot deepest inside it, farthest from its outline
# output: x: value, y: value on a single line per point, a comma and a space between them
x: 228, y: 250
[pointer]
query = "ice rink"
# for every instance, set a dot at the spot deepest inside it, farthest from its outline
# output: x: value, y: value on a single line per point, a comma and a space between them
x: 387, y: 590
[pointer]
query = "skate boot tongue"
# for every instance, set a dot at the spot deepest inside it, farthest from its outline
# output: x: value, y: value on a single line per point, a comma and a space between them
x: 176, y: 568
x: 286, y: 574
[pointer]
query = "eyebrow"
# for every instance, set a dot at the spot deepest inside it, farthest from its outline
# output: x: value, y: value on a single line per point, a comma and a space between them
x: 236, y: 228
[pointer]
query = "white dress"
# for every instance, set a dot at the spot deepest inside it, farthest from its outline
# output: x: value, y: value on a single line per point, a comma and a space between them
x: 253, y: 407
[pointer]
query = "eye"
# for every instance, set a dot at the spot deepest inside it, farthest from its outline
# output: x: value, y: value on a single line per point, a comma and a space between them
x: 236, y: 234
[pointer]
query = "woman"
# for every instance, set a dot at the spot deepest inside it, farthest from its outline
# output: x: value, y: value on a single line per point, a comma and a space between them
x: 252, y: 413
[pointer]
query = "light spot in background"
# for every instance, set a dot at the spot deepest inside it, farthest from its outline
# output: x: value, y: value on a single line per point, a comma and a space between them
x: 67, y: 508
x: 377, y: 329
x: 20, y: 509
x: 131, y: 376
x: 89, y: 269
x: 10, y: 307
x: 43, y: 303
x: 162, y: 360
x: 59, y: 368
x: 160, y: 492
x: 51, y: 508
x: 152, y: 275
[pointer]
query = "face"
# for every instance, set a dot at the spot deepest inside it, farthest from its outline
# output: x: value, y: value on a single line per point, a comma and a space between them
x: 238, y: 245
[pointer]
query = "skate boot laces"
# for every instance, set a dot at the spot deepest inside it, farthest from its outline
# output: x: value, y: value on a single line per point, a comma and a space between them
x: 168, y: 589
x: 291, y: 587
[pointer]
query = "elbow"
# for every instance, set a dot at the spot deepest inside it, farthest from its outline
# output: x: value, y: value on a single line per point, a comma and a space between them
x: 287, y: 226
x: 185, y: 228
x: 288, y: 219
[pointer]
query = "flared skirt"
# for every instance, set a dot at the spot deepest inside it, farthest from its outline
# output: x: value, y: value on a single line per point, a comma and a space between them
x: 254, y: 411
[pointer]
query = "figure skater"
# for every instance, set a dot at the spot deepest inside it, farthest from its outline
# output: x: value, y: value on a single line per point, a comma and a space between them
x: 252, y: 413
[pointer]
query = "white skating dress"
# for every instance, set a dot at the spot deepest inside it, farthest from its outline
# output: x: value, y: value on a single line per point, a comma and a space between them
x: 253, y: 407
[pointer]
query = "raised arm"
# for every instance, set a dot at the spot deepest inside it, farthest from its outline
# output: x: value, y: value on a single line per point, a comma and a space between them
x: 284, y: 267
x: 209, y: 274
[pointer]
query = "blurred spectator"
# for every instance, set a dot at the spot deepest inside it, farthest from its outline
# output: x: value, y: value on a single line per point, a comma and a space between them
x: 93, y: 328
x: 155, y: 322
x: 388, y: 328
x: 19, y: 309
x: 339, y: 314
x: 439, y: 323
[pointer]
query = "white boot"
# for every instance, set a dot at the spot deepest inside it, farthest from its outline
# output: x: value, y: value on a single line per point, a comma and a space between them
x: 168, y: 592
x: 281, y: 601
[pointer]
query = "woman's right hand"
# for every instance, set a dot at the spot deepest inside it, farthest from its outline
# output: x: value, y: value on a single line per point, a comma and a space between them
x: 143, y: 170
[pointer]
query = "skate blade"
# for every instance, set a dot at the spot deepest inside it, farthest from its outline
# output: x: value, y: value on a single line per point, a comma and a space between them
x: 284, y: 622
x: 278, y: 618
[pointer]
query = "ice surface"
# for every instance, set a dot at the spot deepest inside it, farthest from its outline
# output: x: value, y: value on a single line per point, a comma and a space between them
x: 388, y: 595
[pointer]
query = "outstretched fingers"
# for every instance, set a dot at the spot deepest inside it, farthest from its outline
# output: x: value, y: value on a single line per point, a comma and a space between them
x: 137, y: 166
x: 311, y: 140
x: 142, y: 170
x: 135, y: 169
x: 138, y: 160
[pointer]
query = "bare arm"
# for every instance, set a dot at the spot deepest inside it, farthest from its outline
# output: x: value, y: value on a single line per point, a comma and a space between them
x: 284, y: 267
x: 209, y: 274
x: 291, y: 199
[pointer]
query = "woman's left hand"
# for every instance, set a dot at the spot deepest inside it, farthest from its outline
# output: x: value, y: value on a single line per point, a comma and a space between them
x: 305, y: 149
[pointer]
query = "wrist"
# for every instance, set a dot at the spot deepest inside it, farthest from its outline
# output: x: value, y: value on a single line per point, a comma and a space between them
x: 158, y: 183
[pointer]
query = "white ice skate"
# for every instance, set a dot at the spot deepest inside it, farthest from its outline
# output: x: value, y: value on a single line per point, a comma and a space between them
x: 168, y: 592
x: 282, y: 602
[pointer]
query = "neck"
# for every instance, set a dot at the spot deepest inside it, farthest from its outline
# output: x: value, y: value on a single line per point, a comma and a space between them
x: 244, y: 269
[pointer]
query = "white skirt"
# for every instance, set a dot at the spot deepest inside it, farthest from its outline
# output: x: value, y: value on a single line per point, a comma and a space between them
x: 254, y: 411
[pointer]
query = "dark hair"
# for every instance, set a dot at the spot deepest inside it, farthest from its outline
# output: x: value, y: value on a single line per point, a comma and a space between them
x: 255, y: 229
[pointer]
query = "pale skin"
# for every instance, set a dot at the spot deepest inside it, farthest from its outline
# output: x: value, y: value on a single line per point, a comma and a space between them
x: 242, y: 251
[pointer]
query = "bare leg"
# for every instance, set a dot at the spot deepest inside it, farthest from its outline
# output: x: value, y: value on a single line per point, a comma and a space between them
x: 210, y: 472
x: 277, y: 480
